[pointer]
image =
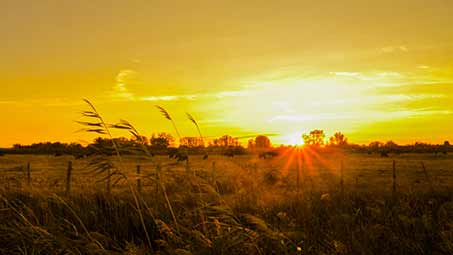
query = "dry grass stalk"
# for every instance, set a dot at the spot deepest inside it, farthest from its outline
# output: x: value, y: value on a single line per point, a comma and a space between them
x: 394, y: 191
x: 29, y: 174
x: 428, y: 178
x: 139, y: 180
x: 68, y: 178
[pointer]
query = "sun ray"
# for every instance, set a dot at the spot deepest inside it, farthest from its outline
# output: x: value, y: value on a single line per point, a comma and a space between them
x: 308, y: 161
x: 300, y: 175
x: 289, y: 162
x: 322, y: 161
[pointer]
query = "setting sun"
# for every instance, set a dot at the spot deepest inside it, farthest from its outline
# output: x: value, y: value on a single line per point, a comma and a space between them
x: 293, y: 139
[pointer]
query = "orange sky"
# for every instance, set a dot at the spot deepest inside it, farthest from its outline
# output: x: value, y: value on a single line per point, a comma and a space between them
x: 372, y: 69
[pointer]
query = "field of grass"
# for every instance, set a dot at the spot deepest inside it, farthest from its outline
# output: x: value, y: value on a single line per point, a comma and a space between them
x: 296, y: 203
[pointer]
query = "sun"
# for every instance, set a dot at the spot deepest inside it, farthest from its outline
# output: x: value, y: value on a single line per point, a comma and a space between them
x: 294, y: 139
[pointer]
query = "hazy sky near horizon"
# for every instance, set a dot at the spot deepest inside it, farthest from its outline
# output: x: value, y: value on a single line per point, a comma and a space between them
x: 375, y: 70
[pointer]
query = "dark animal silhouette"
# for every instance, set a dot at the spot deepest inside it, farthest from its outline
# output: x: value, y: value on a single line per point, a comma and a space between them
x: 229, y: 154
x: 182, y: 157
x: 384, y: 154
x: 268, y: 154
x: 84, y: 155
x: 81, y: 156
x: 178, y: 155
x: 172, y: 152
x: 205, y: 157
x: 58, y: 154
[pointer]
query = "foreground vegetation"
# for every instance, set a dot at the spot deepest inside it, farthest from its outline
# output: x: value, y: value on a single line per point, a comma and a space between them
x: 234, y: 206
x: 317, y: 223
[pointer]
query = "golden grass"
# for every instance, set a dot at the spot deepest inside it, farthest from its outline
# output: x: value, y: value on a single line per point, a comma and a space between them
x: 245, y: 210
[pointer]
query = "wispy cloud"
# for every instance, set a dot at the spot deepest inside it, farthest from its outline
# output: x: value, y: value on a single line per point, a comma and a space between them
x: 419, y: 89
x: 128, y: 77
x: 369, y: 76
x: 168, y: 98
x: 12, y: 102
x: 423, y: 67
x: 306, y: 117
x: 346, y: 74
x: 233, y: 93
x: 128, y: 82
x: 362, y: 116
x: 390, y: 74
x: 124, y: 80
x: 51, y: 102
x: 392, y: 49
x: 192, y: 97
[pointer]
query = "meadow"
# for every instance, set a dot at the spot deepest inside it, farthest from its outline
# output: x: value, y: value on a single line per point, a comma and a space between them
x: 300, y: 202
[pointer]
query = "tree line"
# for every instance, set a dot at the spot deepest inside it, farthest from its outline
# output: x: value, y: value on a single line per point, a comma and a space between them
x: 165, y: 143
x: 317, y: 138
x: 157, y: 144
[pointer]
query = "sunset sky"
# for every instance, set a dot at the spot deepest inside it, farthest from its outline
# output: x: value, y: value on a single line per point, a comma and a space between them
x: 375, y: 70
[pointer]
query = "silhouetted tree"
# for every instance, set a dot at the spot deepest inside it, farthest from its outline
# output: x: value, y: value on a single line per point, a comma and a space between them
x: 338, y: 139
x: 314, y: 138
x: 191, y: 142
x: 161, y: 141
x: 375, y: 146
x: 446, y: 147
x: 104, y: 145
x: 262, y: 142
x: 251, y: 144
x: 226, y: 141
x: 391, y: 146
x: 140, y: 140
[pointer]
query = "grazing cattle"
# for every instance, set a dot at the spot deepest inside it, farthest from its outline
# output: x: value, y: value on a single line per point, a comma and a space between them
x: 84, y: 155
x: 182, y: 157
x: 79, y: 156
x: 58, y: 154
x: 178, y: 155
x: 205, y: 157
x: 172, y: 152
x: 384, y: 154
x: 229, y: 154
x: 268, y: 154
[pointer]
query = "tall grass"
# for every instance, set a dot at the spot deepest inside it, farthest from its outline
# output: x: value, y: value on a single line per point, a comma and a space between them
x: 103, y: 128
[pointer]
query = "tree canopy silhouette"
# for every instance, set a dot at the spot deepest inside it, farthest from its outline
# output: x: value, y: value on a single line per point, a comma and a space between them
x: 338, y: 139
x: 314, y: 138
x: 262, y: 142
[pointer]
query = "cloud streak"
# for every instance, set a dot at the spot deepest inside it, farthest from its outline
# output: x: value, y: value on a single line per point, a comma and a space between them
x: 392, y: 49
x: 375, y: 116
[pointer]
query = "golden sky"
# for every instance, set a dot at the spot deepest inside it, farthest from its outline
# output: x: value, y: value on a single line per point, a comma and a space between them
x: 375, y: 70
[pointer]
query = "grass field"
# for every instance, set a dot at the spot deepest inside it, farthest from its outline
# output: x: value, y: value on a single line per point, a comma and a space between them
x: 362, y: 171
x: 296, y: 203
